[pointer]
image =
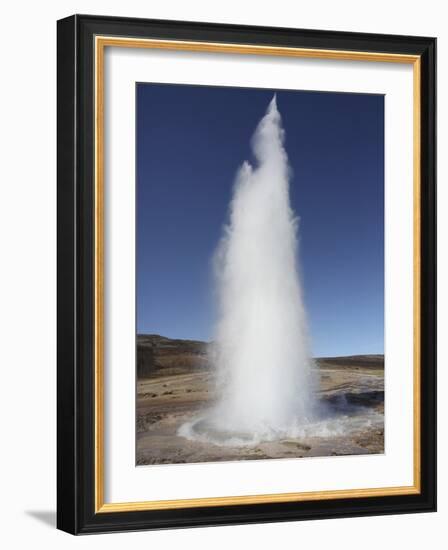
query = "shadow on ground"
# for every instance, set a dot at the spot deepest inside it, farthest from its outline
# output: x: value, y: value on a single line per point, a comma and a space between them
x: 47, y: 517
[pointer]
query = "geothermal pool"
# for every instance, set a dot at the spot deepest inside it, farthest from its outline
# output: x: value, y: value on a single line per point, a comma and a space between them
x: 180, y: 391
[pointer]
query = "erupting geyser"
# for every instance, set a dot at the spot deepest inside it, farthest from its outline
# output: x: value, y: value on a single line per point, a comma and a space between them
x: 265, y: 384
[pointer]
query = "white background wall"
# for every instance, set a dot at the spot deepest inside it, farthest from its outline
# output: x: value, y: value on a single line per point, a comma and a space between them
x: 28, y: 281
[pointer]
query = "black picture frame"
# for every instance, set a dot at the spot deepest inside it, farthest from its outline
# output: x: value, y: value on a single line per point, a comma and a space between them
x: 76, y: 511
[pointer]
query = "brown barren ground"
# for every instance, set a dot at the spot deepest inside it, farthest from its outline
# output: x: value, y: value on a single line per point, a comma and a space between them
x: 175, y: 384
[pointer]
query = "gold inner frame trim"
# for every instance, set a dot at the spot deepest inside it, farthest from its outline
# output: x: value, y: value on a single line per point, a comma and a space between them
x: 101, y: 42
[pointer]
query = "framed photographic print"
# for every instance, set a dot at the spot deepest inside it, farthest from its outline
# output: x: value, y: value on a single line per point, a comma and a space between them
x: 246, y: 274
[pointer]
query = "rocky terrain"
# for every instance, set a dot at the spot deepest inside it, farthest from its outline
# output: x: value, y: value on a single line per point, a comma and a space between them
x: 175, y: 383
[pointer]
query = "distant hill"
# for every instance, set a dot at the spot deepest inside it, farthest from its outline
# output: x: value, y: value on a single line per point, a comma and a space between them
x: 161, y: 355
x: 362, y: 361
x: 157, y: 353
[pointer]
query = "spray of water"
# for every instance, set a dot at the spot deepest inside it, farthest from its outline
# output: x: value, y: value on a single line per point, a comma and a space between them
x: 261, y: 354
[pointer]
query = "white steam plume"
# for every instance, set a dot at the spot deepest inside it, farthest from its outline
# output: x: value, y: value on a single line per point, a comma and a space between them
x: 261, y: 350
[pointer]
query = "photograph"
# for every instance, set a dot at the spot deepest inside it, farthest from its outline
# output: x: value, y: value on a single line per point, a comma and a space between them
x: 259, y: 274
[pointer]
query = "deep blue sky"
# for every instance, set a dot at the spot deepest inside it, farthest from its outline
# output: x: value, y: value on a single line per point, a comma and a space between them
x: 191, y: 140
